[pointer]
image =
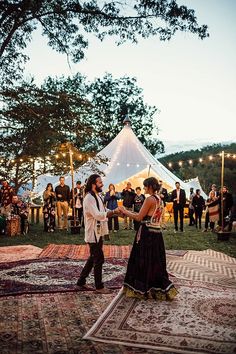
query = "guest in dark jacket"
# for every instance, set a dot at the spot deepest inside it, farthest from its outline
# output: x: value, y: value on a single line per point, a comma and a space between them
x: 199, y: 204
x: 63, y: 198
x: 227, y: 204
x: 178, y: 197
x: 110, y: 201
x: 78, y: 195
x: 128, y: 195
x: 138, y: 202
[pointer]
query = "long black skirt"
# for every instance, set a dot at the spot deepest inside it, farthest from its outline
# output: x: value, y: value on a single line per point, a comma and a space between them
x: 146, y: 275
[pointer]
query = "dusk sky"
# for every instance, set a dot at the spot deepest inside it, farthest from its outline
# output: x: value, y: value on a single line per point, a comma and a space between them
x: 191, y: 81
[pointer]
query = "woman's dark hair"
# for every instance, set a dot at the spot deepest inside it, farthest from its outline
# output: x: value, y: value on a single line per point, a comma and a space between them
x: 152, y: 182
x: 49, y: 184
x: 197, y: 191
x: 138, y: 188
x: 90, y: 181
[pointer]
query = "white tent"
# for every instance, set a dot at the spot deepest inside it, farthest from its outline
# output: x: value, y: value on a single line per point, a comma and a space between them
x: 128, y: 160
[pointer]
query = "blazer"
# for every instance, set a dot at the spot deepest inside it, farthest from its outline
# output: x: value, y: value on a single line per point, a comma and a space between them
x: 182, y: 198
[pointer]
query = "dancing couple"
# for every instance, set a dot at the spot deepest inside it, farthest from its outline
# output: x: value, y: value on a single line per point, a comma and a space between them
x: 146, y: 275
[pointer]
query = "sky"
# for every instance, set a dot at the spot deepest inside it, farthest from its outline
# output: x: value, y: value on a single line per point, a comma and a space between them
x: 191, y: 81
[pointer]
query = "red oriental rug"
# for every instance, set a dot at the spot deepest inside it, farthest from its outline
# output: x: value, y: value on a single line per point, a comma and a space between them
x: 82, y: 251
x: 49, y: 276
x: 201, y: 319
x: 55, y: 324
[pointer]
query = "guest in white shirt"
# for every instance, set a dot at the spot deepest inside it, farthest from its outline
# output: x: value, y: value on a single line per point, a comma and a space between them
x: 95, y: 220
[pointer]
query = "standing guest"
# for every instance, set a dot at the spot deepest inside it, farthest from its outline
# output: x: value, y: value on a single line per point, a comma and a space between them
x: 190, y: 207
x: 227, y: 204
x: 146, y: 275
x: 164, y: 197
x: 95, y: 220
x: 138, y: 202
x: 49, y: 203
x: 212, y: 211
x: 6, y: 193
x: 198, y: 203
x: 110, y: 201
x: 78, y: 194
x: 63, y: 198
x: 178, y: 197
x: 128, y: 195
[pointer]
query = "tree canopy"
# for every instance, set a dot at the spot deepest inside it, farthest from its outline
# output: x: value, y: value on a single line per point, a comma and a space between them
x: 36, y: 121
x: 67, y: 23
x: 208, y: 171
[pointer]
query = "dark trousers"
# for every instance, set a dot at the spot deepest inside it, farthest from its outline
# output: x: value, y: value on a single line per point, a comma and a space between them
x: 198, y: 218
x: 207, y: 220
x: 191, y: 218
x: 116, y: 223
x: 79, y: 214
x: 95, y: 261
x: 179, y: 210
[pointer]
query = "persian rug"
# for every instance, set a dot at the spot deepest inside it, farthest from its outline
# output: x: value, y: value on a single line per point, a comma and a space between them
x: 16, y: 253
x: 201, y: 319
x: 44, y: 276
x: 55, y: 324
x: 208, y: 265
x: 82, y: 251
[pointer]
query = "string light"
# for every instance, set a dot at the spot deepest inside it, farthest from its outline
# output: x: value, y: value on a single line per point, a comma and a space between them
x: 210, y: 157
x: 170, y: 164
x: 200, y: 160
x: 180, y: 163
x: 127, y: 164
x: 190, y: 162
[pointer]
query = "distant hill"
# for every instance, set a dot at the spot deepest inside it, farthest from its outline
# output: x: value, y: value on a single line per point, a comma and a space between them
x: 207, y: 171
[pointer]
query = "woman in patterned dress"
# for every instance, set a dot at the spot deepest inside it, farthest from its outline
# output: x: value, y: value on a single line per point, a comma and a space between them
x: 146, y: 275
x: 49, y: 208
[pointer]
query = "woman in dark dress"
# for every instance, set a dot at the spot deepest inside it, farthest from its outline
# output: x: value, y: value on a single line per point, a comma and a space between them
x: 146, y: 275
x: 49, y: 204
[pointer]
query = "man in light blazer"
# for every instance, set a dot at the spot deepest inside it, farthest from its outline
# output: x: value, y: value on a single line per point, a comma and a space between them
x: 178, y: 197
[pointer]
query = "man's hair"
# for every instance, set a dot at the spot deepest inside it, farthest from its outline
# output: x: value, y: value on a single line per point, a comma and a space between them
x: 61, y: 177
x: 78, y: 182
x: 91, y: 180
x: 177, y: 183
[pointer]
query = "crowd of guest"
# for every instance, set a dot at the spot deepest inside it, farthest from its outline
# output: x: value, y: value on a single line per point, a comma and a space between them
x: 59, y: 201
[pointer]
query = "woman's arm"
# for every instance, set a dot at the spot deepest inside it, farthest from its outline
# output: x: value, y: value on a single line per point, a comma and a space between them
x: 142, y: 213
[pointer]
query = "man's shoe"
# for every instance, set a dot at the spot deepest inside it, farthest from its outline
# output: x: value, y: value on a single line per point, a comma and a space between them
x: 83, y: 287
x: 103, y: 291
x: 115, y: 231
x: 175, y: 231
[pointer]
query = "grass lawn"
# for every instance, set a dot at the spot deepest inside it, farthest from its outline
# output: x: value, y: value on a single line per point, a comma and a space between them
x: 191, y: 239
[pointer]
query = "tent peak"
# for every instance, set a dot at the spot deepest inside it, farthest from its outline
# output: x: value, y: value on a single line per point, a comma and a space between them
x: 127, y: 121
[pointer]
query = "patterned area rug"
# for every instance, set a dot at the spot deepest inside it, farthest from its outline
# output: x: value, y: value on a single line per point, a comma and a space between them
x: 44, y: 276
x: 55, y: 324
x: 16, y: 253
x: 82, y: 251
x: 202, y: 319
x: 209, y: 266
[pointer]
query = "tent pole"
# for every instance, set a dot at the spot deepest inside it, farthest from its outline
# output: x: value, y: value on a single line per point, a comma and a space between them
x: 149, y: 168
x: 222, y: 184
x: 72, y: 182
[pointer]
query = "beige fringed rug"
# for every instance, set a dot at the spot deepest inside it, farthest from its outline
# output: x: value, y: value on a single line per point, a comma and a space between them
x: 201, y: 319
x: 17, y: 253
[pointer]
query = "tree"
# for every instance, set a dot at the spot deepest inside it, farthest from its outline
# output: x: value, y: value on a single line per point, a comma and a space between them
x: 36, y: 121
x: 112, y: 100
x: 66, y: 24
